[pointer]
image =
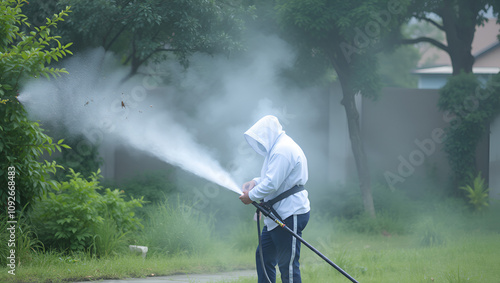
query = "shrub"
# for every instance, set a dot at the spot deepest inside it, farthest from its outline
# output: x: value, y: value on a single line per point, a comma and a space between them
x: 25, y: 55
x: 82, y: 156
x: 477, y: 193
x: 69, y: 216
x: 470, y: 109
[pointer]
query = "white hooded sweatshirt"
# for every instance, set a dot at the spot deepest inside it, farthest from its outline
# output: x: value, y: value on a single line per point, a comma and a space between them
x: 285, y: 166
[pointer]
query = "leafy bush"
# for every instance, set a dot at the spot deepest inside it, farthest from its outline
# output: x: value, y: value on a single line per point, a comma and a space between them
x: 477, y: 193
x: 22, y: 142
x: 69, y: 216
x: 469, y: 109
x: 82, y: 156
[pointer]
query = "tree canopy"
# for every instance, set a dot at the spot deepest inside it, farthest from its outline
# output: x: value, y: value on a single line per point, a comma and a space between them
x: 145, y: 31
x: 458, y: 19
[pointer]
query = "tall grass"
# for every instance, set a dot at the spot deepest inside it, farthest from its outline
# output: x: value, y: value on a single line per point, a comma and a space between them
x: 171, y: 229
x: 109, y: 240
x: 26, y: 242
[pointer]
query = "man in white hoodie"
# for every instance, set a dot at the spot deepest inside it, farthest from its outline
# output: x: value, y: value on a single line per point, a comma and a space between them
x: 284, y: 168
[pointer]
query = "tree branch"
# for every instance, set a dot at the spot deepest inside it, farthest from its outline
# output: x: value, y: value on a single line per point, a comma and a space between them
x: 112, y: 41
x: 432, y: 41
x: 431, y: 21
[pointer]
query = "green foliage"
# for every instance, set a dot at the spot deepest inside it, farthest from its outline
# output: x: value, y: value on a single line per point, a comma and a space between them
x: 457, y: 20
x: 339, y: 32
x: 145, y: 31
x: 82, y: 156
x: 22, y: 142
x: 25, y: 54
x: 469, y: 109
x: 399, y: 75
x: 71, y: 214
x: 477, y: 193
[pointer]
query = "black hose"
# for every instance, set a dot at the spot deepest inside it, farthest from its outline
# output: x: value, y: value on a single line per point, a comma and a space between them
x: 282, y: 225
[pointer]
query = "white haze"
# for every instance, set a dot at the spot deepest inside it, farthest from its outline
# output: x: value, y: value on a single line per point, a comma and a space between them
x: 195, y: 120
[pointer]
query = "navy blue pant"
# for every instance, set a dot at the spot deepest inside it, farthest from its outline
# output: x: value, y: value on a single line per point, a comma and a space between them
x: 280, y: 247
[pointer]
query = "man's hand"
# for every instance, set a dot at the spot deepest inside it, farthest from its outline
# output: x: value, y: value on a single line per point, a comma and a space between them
x: 245, y: 198
x: 247, y: 187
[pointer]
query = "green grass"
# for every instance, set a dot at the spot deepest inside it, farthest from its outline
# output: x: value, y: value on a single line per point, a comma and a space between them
x: 472, y: 257
x: 444, y: 244
x: 466, y: 257
x: 53, y: 267
x: 398, y: 259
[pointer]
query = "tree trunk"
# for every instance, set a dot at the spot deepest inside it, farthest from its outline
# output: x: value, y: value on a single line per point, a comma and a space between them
x: 460, y: 28
x: 349, y: 103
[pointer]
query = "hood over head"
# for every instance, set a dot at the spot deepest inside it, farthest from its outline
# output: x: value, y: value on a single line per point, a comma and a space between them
x: 263, y: 134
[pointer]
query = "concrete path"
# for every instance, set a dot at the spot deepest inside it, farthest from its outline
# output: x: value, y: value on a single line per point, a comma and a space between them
x: 187, y: 278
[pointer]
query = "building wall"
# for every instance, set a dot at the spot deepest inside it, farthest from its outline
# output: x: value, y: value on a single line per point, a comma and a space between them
x: 494, y: 162
x: 403, y: 132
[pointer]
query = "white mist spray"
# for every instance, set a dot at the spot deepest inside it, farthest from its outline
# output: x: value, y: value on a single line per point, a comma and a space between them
x: 174, y: 145
x: 212, y: 103
x: 98, y: 106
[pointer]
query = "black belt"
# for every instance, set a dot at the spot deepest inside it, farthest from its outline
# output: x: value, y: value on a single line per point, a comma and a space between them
x: 269, y: 204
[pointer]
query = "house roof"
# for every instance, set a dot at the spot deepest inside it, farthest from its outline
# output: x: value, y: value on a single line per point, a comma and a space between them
x: 448, y: 70
x: 484, y: 43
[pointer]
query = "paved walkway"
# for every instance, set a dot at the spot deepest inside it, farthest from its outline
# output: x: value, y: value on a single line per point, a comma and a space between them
x: 191, y: 278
